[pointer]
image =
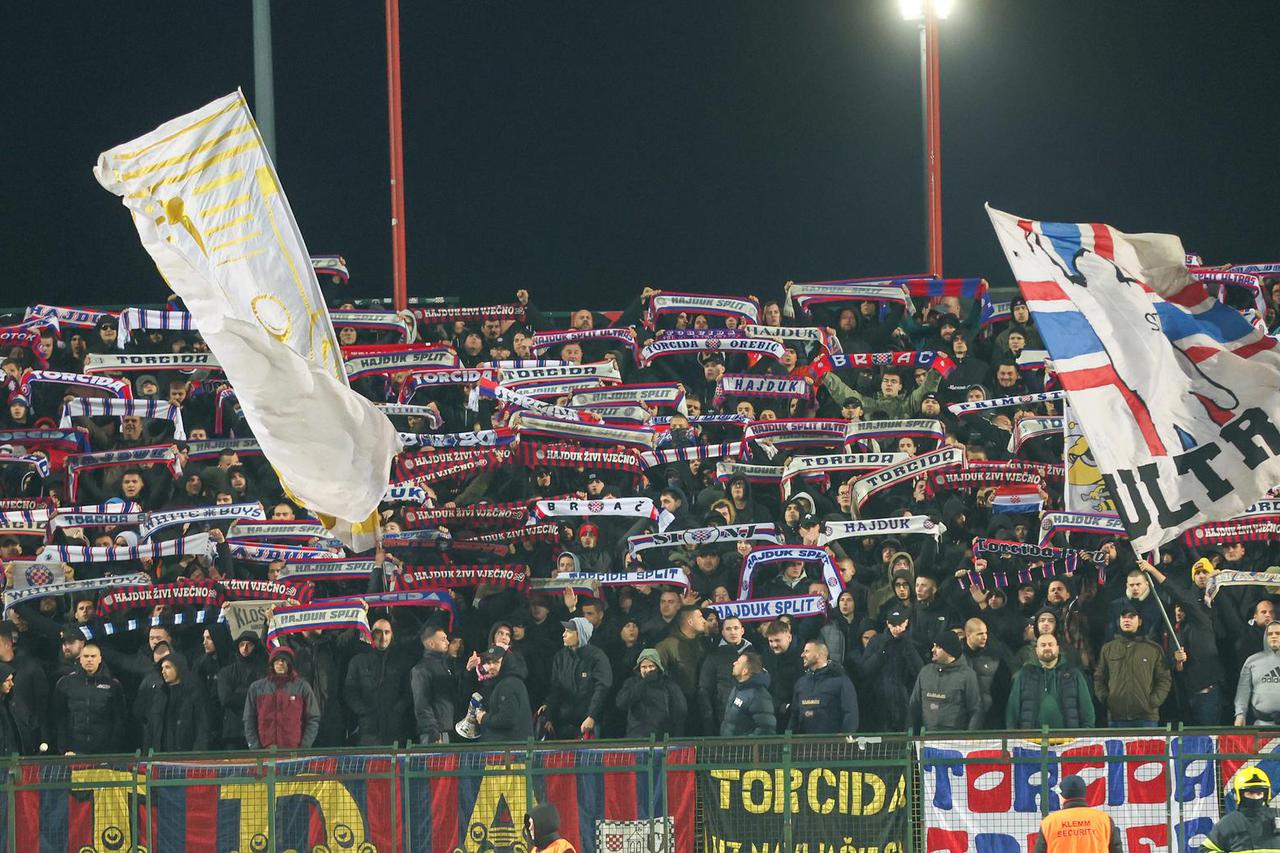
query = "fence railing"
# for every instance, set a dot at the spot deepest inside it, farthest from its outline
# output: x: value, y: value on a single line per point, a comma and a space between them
x: 890, y: 793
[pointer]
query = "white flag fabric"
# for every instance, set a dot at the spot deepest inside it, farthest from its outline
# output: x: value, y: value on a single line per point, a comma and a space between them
x: 210, y: 211
x: 1176, y: 393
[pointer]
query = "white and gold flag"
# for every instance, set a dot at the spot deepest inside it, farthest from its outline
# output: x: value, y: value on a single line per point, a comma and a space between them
x: 209, y: 208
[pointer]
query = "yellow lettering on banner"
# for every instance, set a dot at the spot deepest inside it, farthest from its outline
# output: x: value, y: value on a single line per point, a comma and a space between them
x: 787, y: 796
x: 343, y: 820
x: 111, y: 824
x: 726, y: 778
x: 749, y: 780
x: 827, y: 803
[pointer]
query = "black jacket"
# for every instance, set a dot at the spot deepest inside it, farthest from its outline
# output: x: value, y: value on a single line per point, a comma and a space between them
x: 89, y: 712
x: 233, y: 690
x: 654, y: 706
x: 177, y: 714
x: 750, y: 709
x: 1249, y: 828
x: 375, y: 691
x: 508, y: 716
x: 434, y: 689
x: 825, y: 702
x: 580, y: 681
x: 19, y: 729
x: 888, y: 665
x: 716, y: 682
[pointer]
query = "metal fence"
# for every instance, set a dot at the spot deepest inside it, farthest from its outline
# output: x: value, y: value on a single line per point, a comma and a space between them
x: 892, y: 794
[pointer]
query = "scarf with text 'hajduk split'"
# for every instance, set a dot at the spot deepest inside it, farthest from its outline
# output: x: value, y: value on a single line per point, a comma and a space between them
x: 513, y: 575
x: 543, y: 341
x: 768, y: 554
x: 674, y: 576
x: 650, y: 394
x: 768, y: 609
x: 861, y: 432
x: 317, y: 616
x: 632, y: 415
x: 737, y: 385
x: 746, y: 310
x: 796, y: 433
x: 333, y: 569
x: 1080, y: 522
x: 76, y: 465
x: 360, y: 362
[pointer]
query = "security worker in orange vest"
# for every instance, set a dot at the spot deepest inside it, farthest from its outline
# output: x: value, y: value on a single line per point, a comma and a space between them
x: 542, y: 828
x: 1077, y: 828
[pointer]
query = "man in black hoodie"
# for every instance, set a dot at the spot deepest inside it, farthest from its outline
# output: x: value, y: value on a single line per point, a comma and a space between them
x: 18, y: 729
x: 716, y: 680
x: 177, y: 718
x: 233, y: 686
x: 374, y: 689
x: 89, y: 708
x: 506, y: 716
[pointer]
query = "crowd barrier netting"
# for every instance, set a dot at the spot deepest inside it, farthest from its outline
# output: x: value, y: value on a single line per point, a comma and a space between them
x: 859, y: 794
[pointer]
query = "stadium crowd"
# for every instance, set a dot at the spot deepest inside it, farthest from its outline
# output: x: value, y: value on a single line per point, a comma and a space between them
x: 558, y: 616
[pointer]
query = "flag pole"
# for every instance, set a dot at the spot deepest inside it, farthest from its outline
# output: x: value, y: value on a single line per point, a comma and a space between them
x: 399, y: 276
x: 1155, y: 593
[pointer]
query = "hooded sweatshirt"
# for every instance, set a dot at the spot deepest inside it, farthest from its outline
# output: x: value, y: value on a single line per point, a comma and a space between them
x: 1258, y: 693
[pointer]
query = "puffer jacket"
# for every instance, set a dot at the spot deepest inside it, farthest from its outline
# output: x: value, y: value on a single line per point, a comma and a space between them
x: 946, y: 697
x: 281, y: 711
x: 750, y: 709
x: 89, y: 712
x: 824, y: 703
x: 1132, y: 678
x: 654, y: 706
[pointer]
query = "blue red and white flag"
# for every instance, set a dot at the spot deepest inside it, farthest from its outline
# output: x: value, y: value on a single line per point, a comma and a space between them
x: 1176, y: 392
x: 1017, y: 498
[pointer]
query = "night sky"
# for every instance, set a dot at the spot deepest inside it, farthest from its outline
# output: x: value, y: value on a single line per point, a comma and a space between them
x: 584, y: 149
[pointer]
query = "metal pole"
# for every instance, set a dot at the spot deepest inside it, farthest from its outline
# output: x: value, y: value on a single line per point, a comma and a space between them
x: 264, y: 94
x: 925, y: 144
x: 399, y: 280
x: 933, y: 134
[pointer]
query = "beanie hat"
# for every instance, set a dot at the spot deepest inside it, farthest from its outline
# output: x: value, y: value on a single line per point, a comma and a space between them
x: 949, y: 643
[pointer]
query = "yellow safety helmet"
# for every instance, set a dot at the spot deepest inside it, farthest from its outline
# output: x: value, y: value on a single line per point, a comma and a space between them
x: 1252, y: 779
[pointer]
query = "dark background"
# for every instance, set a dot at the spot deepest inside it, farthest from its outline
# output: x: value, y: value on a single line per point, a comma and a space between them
x: 584, y: 149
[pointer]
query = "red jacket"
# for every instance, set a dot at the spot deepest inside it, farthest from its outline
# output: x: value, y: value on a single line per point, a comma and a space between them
x: 281, y: 711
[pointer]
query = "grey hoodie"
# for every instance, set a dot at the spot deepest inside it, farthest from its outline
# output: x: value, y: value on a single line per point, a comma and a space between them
x: 1258, y: 693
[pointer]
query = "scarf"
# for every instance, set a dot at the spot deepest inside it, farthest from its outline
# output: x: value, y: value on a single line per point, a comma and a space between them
x: 962, y: 409
x: 922, y: 465
x: 146, y: 318
x: 699, y: 536
x: 405, y: 494
x: 28, y: 505
x: 600, y: 372
x: 807, y: 294
x: 580, y: 585
x: 610, y: 507
x: 238, y: 589
x: 279, y: 531
x: 317, y: 616
x: 380, y: 321
x: 250, y: 511
x: 439, y: 377
x: 863, y: 431
x: 1079, y: 522
x: 513, y: 575
x: 799, y: 334
x: 436, y: 598
x: 973, y: 476
x: 24, y: 338
x: 434, y: 420
x: 76, y: 465
x: 197, y: 545
x: 442, y: 472
x: 80, y: 318
x: 996, y: 312
x: 114, y: 387
x: 535, y: 455
x: 767, y: 554
x: 417, y: 358
x: 105, y: 518
x: 138, y: 363
x: 653, y: 458
x: 113, y: 407
x: 768, y: 609
x: 200, y: 451
x: 652, y: 395
x: 425, y: 538
x: 61, y: 440
x: 552, y: 389
x: 765, y: 475
x: 437, y: 316
x: 517, y: 400
x: 42, y: 514
x: 707, y: 420
x: 769, y: 387
x: 679, y: 344
x: 1032, y: 359
x: 1250, y: 528
x: 543, y: 341
x: 746, y: 310
x: 1031, y: 551
x: 409, y: 465
x: 820, y: 468
x: 538, y: 426
x: 40, y: 463
x: 545, y: 533
x: 793, y: 433
x: 327, y: 569
x: 479, y: 438
x: 1232, y: 577
x: 174, y: 620
x: 190, y: 594
x: 276, y: 554
x: 941, y: 362
x: 633, y: 415
x: 18, y: 596
x: 673, y: 576
x: 902, y: 525
x: 24, y: 574
x: 1002, y: 580
x: 1029, y: 428
x: 474, y: 515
